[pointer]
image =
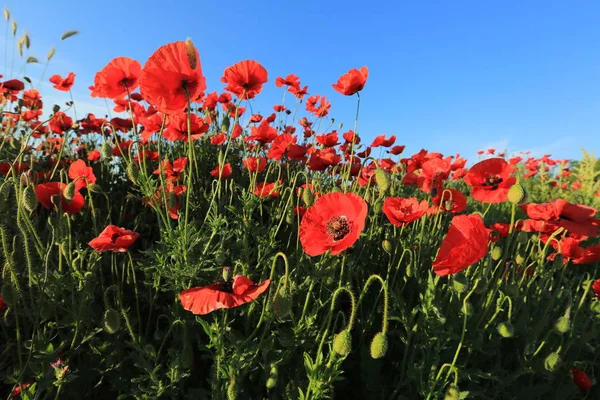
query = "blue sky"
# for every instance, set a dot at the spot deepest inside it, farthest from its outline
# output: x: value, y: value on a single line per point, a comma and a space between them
x: 448, y: 76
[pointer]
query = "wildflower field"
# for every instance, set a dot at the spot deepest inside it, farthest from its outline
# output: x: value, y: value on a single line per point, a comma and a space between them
x: 195, y: 250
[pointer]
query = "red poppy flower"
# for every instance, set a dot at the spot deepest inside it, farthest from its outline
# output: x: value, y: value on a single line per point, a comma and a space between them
x: 320, y: 110
x: 114, y: 239
x: 13, y: 84
x: 352, y: 81
x: 382, y: 141
x: 280, y: 146
x: 581, y: 379
x: 490, y: 180
x: 575, y: 218
x: 81, y: 174
x: 64, y: 85
x: 264, y: 133
x: 245, y: 78
x: 168, y: 79
x: 229, y: 294
x: 400, y: 211
x: 596, y: 288
x: 45, y: 191
x: 60, y: 123
x: 334, y: 222
x: 177, y: 129
x: 266, y: 189
x: 255, y: 164
x: 224, y: 173
x: 17, y: 391
x: 290, y: 80
x: 464, y: 245
x: 116, y: 78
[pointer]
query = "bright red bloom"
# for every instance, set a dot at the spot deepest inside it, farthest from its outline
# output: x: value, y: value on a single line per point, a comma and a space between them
x: 236, y: 292
x: 490, y: 180
x: 581, y: 379
x: 571, y: 249
x: 177, y: 129
x: 400, y: 211
x: 224, y: 173
x: 323, y: 107
x: 13, y: 84
x: 290, y: 80
x: 596, y: 288
x: 397, y: 150
x: 116, y: 78
x: 575, y: 218
x: 334, y: 222
x: 64, y: 85
x: 255, y: 164
x: 465, y: 244
x: 81, y: 174
x: 265, y: 189
x: 280, y: 146
x: 168, y: 81
x: 60, y: 123
x: 45, y: 191
x: 264, y: 133
x: 352, y: 81
x: 17, y: 391
x: 173, y: 172
x: 434, y: 172
x: 382, y: 141
x: 115, y: 239
x: 245, y: 78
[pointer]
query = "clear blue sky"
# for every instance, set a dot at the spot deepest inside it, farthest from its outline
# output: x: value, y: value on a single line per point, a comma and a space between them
x: 448, y: 76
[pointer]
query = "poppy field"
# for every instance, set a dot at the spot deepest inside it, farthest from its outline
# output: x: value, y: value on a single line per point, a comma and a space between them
x: 193, y: 249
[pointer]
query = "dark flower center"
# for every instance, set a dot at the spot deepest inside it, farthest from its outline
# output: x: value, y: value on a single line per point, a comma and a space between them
x: 114, y: 237
x: 492, y: 181
x: 226, y: 287
x: 338, y: 227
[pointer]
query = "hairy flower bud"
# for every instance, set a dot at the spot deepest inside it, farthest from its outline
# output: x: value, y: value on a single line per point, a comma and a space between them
x: 282, y: 304
x: 106, y: 150
x: 94, y: 188
x: 452, y: 393
x: 133, y: 173
x: 382, y: 179
x: 379, y: 345
x: 562, y: 324
x: 551, y: 362
x: 517, y: 194
x: 460, y: 283
x: 308, y: 197
x: 496, y: 253
x: 342, y: 343
x: 387, y: 246
x: 30, y: 201
x: 69, y: 191
x: 506, y: 330
x: 112, y: 321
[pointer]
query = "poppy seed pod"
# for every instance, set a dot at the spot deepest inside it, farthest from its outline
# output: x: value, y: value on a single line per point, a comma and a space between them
x: 342, y: 343
x: 517, y: 194
x: 506, y: 330
x: 69, y: 191
x: 112, y: 321
x: 379, y: 345
x: 29, y: 200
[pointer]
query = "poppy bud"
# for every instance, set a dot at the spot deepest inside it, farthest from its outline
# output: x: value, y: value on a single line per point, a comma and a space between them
x: 496, y: 253
x: 468, y: 309
x: 55, y: 199
x: 522, y: 237
x: 289, y: 216
x: 409, y: 271
x: 452, y: 393
x: 106, y: 150
x: 382, y: 179
x: 379, y: 345
x: 336, y: 189
x: 551, y: 362
x: 506, y: 330
x: 460, y: 283
x: 308, y: 197
x: 282, y: 304
x: 29, y: 199
x: 95, y: 188
x: 133, y: 173
x: 342, y: 343
x: 273, y: 374
x: 112, y: 321
x: 227, y: 273
x: 387, y: 246
x: 562, y: 324
x: 225, y: 123
x: 232, y: 389
x: 517, y: 194
x: 377, y: 207
x: 69, y: 191
x: 190, y: 52
x: 519, y: 259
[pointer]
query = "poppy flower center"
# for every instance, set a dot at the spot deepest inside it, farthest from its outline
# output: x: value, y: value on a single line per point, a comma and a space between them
x: 492, y: 181
x: 338, y: 227
x: 114, y: 237
x: 226, y: 287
